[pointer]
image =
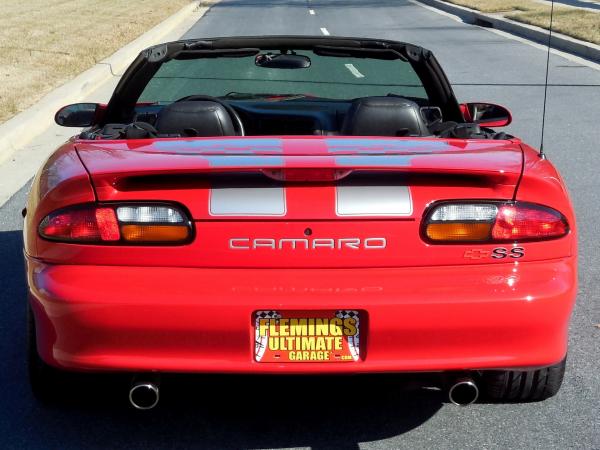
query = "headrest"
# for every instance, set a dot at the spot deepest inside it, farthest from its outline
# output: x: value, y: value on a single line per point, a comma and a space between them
x: 195, y: 118
x: 384, y: 116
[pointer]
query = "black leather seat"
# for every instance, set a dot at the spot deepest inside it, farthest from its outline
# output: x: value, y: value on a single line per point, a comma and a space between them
x: 384, y: 116
x: 195, y: 118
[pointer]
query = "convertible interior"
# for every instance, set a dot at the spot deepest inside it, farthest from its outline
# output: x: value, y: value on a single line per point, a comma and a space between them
x: 282, y: 88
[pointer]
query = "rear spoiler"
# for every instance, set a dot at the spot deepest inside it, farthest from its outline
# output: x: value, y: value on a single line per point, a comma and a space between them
x: 332, y: 158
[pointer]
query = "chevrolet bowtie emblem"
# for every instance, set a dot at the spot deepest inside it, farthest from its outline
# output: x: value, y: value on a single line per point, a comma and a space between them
x: 477, y: 254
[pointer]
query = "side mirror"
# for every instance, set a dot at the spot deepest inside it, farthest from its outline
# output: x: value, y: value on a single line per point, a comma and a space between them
x: 487, y: 114
x: 78, y: 115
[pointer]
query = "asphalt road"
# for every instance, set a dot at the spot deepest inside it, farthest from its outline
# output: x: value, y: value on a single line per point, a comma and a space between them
x: 352, y: 412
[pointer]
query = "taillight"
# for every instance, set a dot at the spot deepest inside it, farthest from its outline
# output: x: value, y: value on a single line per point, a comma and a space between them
x: 131, y: 223
x: 492, y: 222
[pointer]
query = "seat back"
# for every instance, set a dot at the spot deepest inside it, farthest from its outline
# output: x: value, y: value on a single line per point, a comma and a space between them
x: 384, y: 116
x: 195, y: 118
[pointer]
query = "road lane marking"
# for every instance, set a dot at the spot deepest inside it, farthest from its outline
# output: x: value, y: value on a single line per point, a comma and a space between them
x: 324, y: 31
x: 311, y: 12
x: 354, y: 71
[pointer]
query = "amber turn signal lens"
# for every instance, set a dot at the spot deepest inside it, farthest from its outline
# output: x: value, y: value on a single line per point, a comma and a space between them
x: 459, y: 231
x: 155, y: 233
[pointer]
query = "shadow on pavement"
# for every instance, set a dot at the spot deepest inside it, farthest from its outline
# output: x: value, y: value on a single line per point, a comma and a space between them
x: 200, y: 411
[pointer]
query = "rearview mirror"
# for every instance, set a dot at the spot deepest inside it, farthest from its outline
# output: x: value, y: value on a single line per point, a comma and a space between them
x: 487, y: 114
x: 77, y: 115
x: 282, y: 61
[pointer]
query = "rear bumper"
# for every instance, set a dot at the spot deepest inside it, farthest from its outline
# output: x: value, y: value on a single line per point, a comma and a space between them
x: 200, y: 320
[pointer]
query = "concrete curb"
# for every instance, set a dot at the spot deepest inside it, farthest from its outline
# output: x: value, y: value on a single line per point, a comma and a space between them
x: 559, y: 41
x: 25, y: 126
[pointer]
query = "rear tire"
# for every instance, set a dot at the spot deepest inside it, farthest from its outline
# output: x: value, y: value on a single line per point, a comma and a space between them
x: 45, y: 381
x: 523, y: 385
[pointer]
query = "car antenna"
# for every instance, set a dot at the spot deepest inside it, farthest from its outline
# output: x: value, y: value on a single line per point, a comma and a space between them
x: 542, y: 153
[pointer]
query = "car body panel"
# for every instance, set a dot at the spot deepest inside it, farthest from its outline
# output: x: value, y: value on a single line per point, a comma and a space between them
x: 425, y: 307
x: 201, y: 320
x: 429, y: 170
x: 191, y: 155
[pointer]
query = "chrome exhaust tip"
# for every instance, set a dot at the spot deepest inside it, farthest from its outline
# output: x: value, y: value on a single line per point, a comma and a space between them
x: 144, y: 395
x: 463, y: 392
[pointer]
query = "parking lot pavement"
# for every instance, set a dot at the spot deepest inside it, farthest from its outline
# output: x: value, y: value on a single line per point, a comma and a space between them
x: 353, y: 412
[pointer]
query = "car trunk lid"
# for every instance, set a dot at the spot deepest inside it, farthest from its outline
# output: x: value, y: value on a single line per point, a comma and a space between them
x: 304, y: 202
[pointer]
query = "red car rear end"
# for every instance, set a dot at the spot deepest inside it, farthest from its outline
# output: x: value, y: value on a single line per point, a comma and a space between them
x: 302, y: 254
x: 300, y: 232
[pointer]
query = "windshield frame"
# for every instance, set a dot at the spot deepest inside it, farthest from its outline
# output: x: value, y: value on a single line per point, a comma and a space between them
x: 125, y: 97
x: 332, y: 74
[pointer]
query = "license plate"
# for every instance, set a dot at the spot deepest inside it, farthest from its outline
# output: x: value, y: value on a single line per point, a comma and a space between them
x: 307, y: 336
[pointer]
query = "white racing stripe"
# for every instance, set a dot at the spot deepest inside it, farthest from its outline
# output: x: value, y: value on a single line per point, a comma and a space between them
x: 324, y: 31
x: 373, y: 201
x: 247, y: 201
x: 354, y: 71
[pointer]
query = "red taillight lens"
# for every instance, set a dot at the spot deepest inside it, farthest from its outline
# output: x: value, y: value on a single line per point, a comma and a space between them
x: 492, y: 222
x: 129, y: 223
x: 82, y: 224
x: 517, y: 222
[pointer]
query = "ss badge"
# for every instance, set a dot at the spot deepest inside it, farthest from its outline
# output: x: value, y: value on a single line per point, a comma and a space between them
x: 503, y: 252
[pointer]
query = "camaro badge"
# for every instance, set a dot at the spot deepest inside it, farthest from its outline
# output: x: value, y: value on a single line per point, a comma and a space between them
x: 372, y: 243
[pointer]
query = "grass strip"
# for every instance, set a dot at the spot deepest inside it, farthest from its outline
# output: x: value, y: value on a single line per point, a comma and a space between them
x: 44, y: 43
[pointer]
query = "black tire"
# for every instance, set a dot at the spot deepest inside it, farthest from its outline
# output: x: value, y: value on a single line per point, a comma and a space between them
x: 46, y: 382
x: 523, y: 386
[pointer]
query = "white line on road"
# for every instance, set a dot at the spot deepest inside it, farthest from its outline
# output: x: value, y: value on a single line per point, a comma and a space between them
x: 354, y: 71
x: 311, y: 12
x: 324, y: 31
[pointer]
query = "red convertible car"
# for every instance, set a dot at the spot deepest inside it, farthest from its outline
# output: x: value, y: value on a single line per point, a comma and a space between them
x: 298, y: 205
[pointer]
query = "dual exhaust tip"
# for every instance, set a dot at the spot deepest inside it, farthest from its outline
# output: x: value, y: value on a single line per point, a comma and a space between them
x: 145, y: 395
x: 463, y: 392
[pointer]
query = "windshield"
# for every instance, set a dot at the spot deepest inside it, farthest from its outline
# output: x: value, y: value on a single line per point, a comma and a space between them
x: 241, y: 78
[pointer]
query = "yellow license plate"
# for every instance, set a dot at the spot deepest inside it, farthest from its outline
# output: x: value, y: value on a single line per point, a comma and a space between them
x: 307, y: 336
